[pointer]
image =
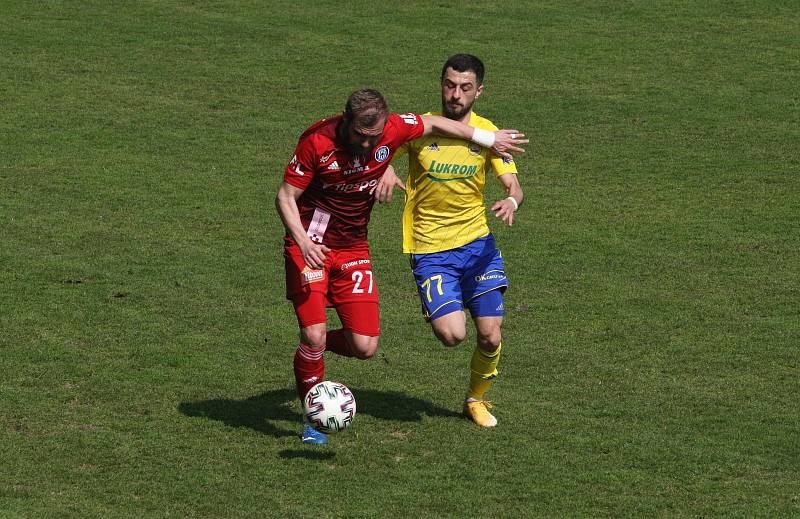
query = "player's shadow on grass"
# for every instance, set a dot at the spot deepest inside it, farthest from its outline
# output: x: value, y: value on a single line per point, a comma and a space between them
x: 257, y: 412
x: 262, y: 411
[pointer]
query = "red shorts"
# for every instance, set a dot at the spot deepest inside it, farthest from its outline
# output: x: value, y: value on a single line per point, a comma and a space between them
x: 345, y: 282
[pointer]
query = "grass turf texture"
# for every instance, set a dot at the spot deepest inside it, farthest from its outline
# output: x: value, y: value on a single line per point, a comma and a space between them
x: 650, y: 363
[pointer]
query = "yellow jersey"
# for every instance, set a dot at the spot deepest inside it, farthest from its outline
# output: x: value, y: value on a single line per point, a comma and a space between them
x: 444, y: 190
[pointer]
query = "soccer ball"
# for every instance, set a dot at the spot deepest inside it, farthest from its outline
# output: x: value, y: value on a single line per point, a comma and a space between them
x: 329, y: 407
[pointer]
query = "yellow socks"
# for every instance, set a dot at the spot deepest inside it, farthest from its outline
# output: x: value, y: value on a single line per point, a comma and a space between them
x: 483, y: 369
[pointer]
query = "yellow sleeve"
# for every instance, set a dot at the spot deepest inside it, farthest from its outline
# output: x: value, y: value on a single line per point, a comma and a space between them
x: 500, y: 166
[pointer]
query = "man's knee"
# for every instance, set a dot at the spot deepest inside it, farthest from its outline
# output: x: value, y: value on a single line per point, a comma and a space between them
x: 363, y: 346
x: 314, y: 336
x: 489, y: 333
x: 489, y: 342
x: 451, y: 335
x: 450, y: 331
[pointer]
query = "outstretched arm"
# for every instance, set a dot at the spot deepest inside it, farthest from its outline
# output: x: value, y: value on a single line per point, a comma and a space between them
x: 505, y: 209
x: 502, y: 142
x: 286, y: 203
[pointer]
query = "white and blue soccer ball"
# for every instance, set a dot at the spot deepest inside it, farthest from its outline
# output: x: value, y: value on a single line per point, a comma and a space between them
x: 329, y: 407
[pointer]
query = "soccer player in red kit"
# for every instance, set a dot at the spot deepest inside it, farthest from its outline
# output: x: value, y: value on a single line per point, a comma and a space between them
x: 325, y: 202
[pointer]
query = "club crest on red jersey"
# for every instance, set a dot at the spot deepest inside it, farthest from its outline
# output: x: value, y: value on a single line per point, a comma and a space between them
x: 382, y: 153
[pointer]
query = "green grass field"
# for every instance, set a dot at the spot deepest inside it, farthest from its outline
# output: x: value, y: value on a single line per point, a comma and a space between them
x: 651, y: 342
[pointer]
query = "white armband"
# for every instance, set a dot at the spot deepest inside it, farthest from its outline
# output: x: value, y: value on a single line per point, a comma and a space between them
x: 514, y: 201
x: 483, y: 137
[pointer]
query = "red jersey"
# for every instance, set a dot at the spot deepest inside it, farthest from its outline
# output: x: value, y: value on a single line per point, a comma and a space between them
x: 336, y: 204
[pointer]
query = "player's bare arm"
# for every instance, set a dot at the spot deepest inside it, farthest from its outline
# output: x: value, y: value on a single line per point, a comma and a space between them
x: 502, y: 142
x: 385, y: 188
x: 505, y: 208
x: 286, y: 203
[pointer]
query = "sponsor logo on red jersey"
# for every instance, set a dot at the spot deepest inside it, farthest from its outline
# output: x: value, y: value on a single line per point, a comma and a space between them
x: 344, y: 187
x: 328, y: 155
x: 312, y: 276
x: 355, y: 166
x: 355, y: 263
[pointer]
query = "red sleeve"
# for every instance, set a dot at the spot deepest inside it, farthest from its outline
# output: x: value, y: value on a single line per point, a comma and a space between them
x: 409, y: 126
x: 300, y: 170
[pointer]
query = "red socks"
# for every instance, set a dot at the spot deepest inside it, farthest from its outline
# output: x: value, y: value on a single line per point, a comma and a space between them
x: 309, y: 368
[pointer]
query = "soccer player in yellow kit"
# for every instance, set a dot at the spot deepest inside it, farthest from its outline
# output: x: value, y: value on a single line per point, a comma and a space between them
x: 455, y: 261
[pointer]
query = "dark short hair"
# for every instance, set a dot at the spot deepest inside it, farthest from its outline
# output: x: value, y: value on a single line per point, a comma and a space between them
x: 464, y: 63
x: 367, y: 105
